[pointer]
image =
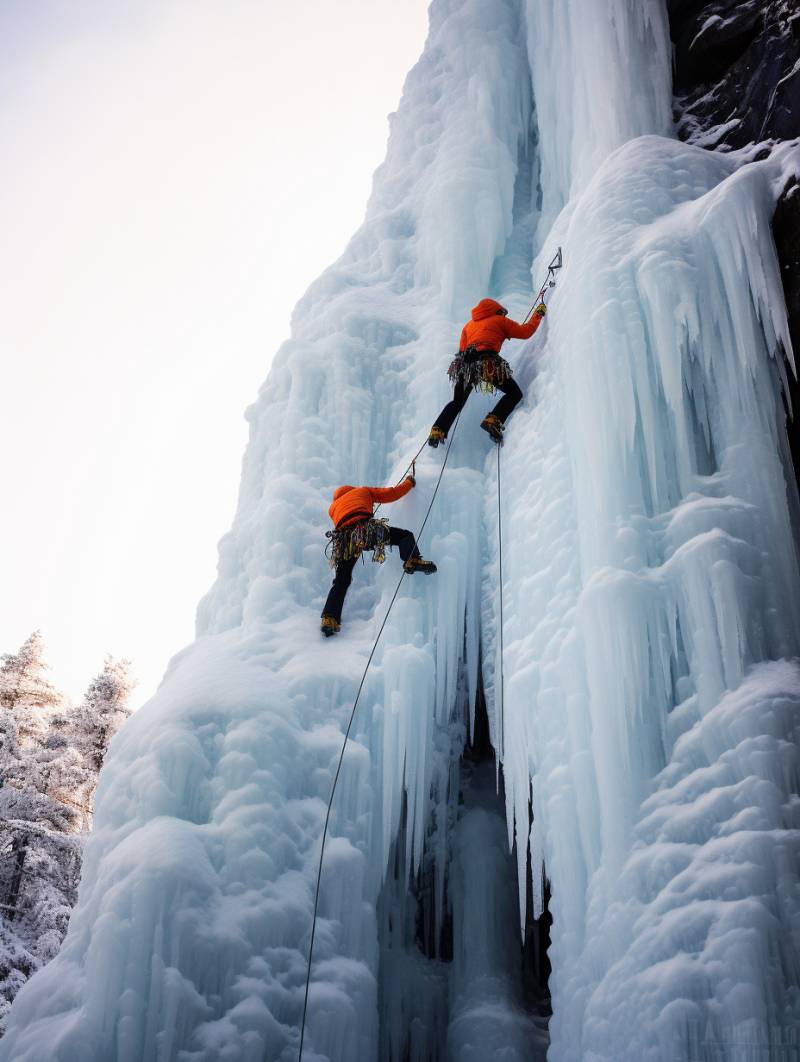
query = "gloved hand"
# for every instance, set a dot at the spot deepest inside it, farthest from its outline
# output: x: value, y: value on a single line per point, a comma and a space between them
x: 541, y: 309
x: 411, y: 480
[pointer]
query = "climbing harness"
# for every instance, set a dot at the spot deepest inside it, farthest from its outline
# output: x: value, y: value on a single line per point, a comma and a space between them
x: 550, y: 281
x: 348, y: 543
x: 349, y: 727
x: 484, y: 371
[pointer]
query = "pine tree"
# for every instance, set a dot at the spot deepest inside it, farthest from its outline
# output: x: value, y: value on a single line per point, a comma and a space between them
x: 50, y: 756
x: 25, y: 689
x: 104, y: 709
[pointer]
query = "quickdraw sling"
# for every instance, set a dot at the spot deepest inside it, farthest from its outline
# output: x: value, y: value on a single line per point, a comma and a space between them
x: 480, y: 370
x: 348, y: 543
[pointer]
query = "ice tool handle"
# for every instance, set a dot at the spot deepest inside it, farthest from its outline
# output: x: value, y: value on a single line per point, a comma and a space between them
x: 550, y: 281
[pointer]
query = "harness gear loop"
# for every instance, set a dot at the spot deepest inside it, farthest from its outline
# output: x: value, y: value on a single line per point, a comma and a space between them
x: 481, y: 370
x: 348, y: 543
x: 501, y: 722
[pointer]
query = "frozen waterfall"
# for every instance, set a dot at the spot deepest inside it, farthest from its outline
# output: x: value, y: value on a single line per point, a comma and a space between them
x: 646, y: 778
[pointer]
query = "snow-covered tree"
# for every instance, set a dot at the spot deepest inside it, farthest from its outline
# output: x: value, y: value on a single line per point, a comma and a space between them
x: 105, y: 708
x: 50, y: 755
x: 24, y: 688
x: 79, y: 738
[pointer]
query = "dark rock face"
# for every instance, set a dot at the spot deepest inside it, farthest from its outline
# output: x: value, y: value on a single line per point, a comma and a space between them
x: 737, y: 70
x: 737, y: 82
x: 786, y: 231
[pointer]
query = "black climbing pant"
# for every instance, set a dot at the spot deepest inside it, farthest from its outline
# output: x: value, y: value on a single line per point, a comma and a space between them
x: 405, y: 542
x: 511, y: 396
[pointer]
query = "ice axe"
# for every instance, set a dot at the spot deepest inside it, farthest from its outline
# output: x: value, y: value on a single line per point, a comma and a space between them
x: 550, y: 281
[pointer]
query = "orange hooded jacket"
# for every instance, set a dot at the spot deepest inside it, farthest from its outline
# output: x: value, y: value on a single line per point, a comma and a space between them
x: 353, y: 504
x: 488, y: 329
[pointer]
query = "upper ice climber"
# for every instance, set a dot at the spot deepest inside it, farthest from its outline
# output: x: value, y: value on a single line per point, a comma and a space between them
x: 356, y: 531
x: 479, y: 365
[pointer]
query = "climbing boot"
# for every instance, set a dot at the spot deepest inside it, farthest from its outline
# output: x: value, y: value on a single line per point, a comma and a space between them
x: 329, y: 626
x: 494, y: 427
x: 417, y: 564
x: 436, y: 436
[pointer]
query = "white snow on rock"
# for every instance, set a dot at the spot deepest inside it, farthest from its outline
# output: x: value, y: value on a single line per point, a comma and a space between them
x: 650, y: 702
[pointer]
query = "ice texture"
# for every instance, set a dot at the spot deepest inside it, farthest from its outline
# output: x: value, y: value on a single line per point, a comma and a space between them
x: 651, y: 692
x: 651, y: 614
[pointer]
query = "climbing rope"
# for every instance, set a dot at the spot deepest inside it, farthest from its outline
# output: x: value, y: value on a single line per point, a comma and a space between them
x: 411, y: 467
x: 501, y: 713
x: 550, y: 282
x: 347, y: 735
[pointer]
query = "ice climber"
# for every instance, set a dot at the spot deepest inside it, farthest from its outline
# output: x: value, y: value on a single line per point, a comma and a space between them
x: 479, y: 365
x: 356, y: 531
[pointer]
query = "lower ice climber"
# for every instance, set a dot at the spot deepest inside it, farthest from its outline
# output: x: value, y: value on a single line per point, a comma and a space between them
x: 357, y: 531
x: 479, y: 365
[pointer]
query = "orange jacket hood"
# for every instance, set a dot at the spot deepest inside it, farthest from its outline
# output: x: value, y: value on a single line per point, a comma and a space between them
x: 352, y: 504
x: 486, y: 308
x: 488, y: 330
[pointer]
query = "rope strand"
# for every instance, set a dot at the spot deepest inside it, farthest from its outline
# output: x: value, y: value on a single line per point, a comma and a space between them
x: 344, y: 744
x: 502, y: 729
x: 410, y: 468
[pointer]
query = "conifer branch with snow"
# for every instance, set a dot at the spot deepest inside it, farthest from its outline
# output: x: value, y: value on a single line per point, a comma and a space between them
x: 51, y: 752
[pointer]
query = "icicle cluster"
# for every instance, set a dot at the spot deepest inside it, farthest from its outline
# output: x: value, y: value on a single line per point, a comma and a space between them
x: 650, y: 592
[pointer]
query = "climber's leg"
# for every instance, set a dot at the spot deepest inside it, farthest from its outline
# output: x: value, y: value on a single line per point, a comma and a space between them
x: 445, y: 419
x: 337, y: 593
x: 512, y: 395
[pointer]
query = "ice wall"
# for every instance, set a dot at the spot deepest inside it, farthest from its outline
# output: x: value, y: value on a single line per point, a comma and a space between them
x: 651, y: 594
x: 190, y: 936
x: 650, y: 597
x: 601, y: 76
x: 488, y: 1018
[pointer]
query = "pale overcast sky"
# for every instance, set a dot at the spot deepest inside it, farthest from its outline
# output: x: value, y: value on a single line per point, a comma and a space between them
x: 174, y: 174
